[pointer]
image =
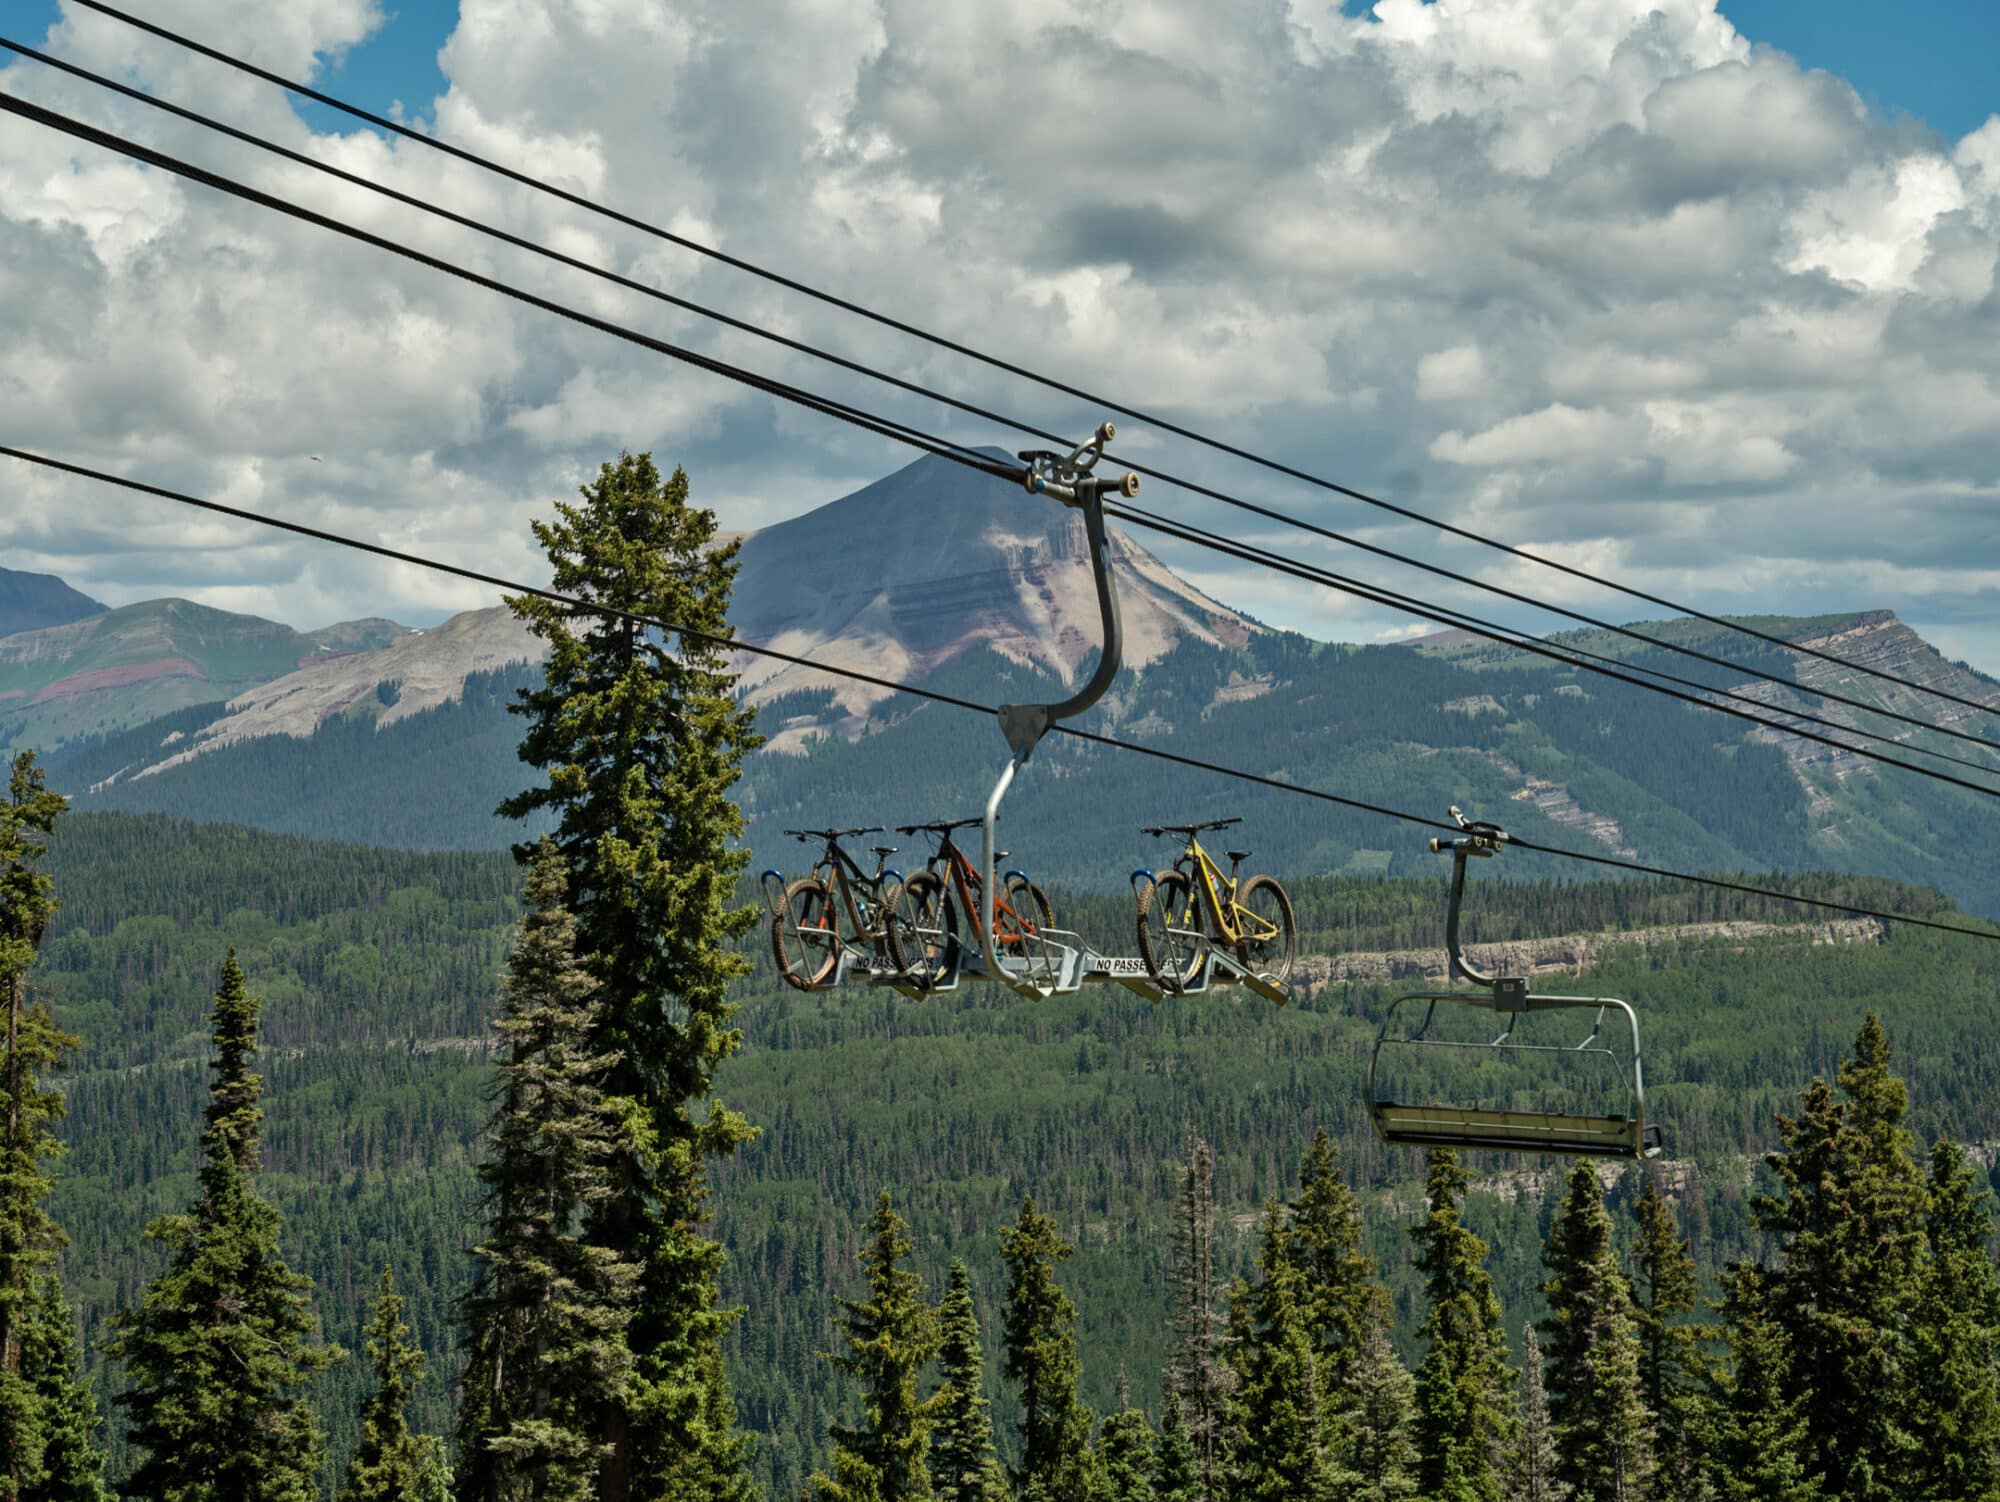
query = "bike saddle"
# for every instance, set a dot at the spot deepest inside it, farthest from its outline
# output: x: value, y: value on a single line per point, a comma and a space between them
x: 885, y: 849
x: 1001, y: 855
x: 1237, y: 857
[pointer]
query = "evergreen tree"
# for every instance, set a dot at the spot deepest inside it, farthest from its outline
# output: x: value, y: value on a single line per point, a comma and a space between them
x: 1125, y: 1445
x: 1176, y: 1466
x: 546, y: 1319
x: 220, y: 1349
x: 1664, y: 1292
x: 33, y: 1048
x: 1377, y: 1399
x: 1463, y: 1425
x: 392, y: 1464
x: 1752, y: 1432
x: 1534, y: 1461
x: 70, y: 1464
x: 1336, y: 1294
x: 1281, y: 1449
x: 1596, y: 1401
x: 964, y: 1467
x: 1041, y: 1359
x: 1955, y: 1339
x: 641, y: 738
x: 890, y: 1335
x: 1204, y: 1377
x: 1850, y: 1218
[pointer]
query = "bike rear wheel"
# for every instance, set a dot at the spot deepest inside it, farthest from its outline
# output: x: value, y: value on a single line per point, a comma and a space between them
x: 804, y: 936
x: 921, y: 935
x: 1271, y: 955
x: 1171, y: 942
x: 1031, y: 912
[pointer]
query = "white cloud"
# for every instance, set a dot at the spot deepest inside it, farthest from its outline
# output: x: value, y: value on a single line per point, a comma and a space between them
x: 1583, y: 275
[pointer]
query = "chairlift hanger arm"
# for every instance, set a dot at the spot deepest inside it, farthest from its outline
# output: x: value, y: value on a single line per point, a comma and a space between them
x: 1481, y: 839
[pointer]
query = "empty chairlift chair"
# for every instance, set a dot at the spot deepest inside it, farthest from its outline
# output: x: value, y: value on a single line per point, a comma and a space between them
x: 1618, y: 1131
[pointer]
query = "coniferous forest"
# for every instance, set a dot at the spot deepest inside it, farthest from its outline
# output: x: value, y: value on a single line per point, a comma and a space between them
x: 347, y: 1173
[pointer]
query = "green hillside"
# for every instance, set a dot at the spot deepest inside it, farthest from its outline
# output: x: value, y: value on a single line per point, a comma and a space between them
x: 128, y: 666
x: 379, y: 969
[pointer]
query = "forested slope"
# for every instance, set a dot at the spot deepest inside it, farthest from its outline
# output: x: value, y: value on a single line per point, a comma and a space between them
x: 379, y: 971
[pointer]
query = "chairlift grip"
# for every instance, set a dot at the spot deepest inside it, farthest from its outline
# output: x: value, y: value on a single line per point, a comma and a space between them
x: 1024, y: 725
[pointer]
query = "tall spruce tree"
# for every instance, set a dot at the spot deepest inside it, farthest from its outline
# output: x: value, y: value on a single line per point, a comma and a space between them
x: 1378, y: 1406
x: 1596, y: 1402
x: 1751, y: 1433
x: 1533, y: 1463
x: 391, y: 1464
x: 1665, y: 1291
x: 223, y: 1346
x: 1204, y: 1377
x: 546, y: 1320
x: 1850, y: 1221
x: 1282, y: 1451
x: 1176, y: 1465
x: 1041, y: 1360
x: 964, y: 1467
x: 641, y: 739
x: 890, y: 1335
x: 1337, y: 1292
x: 1955, y: 1338
x: 32, y: 1049
x: 1464, y: 1424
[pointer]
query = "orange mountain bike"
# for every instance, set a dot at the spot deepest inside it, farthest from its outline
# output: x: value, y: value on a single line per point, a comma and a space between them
x: 922, y: 940
x: 1185, y: 912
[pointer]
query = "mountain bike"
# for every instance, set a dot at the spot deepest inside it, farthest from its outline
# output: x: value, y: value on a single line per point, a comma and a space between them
x: 839, y: 904
x: 923, y: 940
x: 1185, y: 912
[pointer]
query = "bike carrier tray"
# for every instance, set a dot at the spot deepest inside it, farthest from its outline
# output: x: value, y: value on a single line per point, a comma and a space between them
x: 1064, y: 971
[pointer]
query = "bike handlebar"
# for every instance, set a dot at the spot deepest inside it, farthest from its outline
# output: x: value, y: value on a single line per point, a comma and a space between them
x: 835, y: 834
x: 942, y: 826
x: 1158, y: 830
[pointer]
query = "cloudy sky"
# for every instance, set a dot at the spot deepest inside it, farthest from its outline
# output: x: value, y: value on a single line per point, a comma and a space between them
x: 1701, y: 298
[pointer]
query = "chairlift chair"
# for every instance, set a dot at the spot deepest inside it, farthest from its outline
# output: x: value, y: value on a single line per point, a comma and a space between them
x: 1440, y: 1124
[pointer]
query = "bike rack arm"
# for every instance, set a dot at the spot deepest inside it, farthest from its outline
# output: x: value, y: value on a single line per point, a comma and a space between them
x: 1070, y: 481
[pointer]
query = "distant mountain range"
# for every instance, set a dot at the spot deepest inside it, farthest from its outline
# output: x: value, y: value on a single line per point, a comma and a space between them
x: 374, y: 733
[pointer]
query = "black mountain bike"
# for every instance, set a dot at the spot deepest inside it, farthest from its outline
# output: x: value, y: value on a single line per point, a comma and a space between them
x: 814, y: 918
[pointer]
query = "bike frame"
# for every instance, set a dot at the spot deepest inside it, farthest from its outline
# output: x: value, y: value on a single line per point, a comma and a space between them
x: 847, y: 883
x: 1218, y: 893
x: 965, y: 881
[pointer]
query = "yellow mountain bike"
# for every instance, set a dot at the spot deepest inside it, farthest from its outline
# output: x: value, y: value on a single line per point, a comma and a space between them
x: 1187, y: 910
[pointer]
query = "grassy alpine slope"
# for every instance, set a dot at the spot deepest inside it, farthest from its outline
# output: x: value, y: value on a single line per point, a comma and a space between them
x: 379, y: 971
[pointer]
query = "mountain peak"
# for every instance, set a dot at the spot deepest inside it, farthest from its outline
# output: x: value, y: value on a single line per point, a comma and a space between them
x: 907, y: 573
x: 29, y: 602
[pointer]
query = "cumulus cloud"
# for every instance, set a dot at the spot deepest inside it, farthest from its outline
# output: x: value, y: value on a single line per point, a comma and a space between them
x: 1595, y: 277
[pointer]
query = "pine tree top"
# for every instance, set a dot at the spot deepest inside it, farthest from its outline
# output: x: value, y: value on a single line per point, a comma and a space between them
x: 234, y: 1116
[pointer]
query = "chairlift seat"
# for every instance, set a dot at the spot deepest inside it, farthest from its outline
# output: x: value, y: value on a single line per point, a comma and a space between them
x: 1515, y: 1131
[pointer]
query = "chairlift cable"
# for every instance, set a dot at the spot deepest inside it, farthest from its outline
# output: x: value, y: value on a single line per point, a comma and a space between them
x: 885, y: 427
x: 732, y: 643
x: 940, y: 341
x: 1000, y: 419
x: 1524, y: 643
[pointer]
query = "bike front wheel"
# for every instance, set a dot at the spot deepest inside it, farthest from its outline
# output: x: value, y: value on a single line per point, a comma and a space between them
x: 922, y: 932
x: 1171, y: 943
x: 1270, y: 941
x: 804, y: 939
